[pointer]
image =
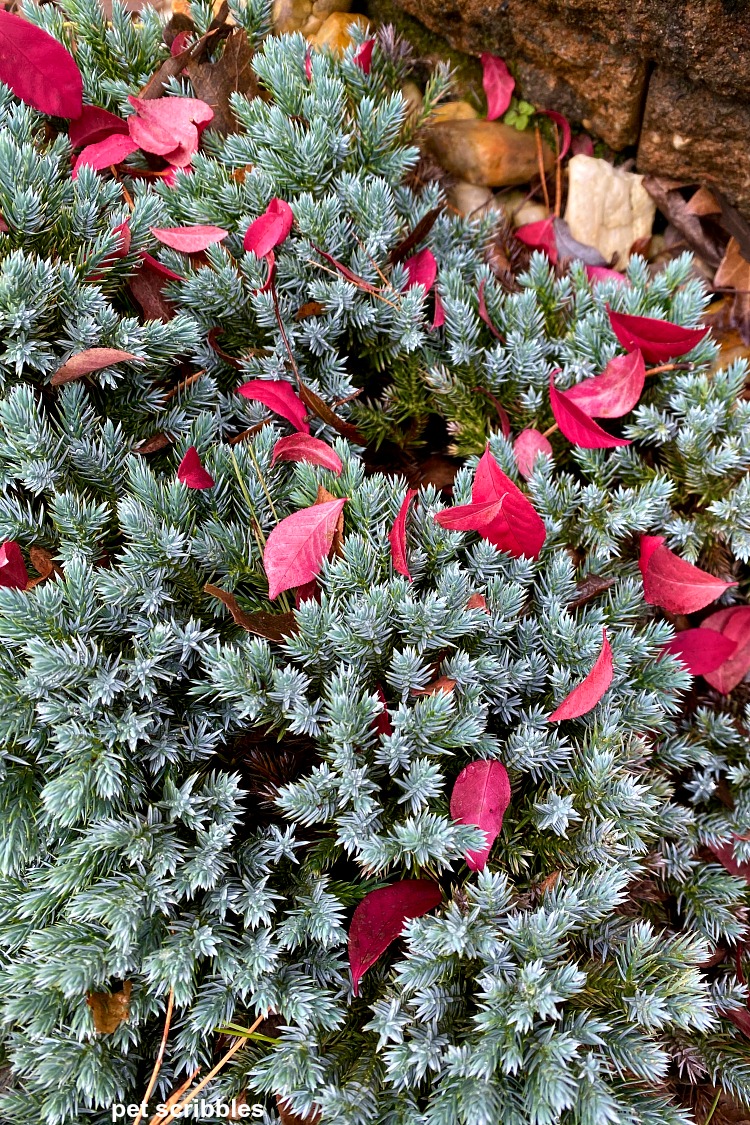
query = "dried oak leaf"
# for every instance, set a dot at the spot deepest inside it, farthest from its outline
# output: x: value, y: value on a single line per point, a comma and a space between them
x: 215, y: 82
x: 42, y: 562
x: 273, y: 626
x: 323, y: 411
x: 734, y: 273
x: 110, y: 1009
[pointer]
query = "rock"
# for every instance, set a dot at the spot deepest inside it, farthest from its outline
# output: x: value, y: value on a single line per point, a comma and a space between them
x: 692, y: 134
x: 469, y: 199
x: 454, y: 111
x: 412, y: 95
x: 306, y: 16
x: 334, y: 31
x: 607, y: 207
x: 485, y: 152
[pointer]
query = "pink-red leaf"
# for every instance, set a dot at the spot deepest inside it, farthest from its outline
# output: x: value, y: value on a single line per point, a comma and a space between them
x: 269, y: 229
x: 308, y: 65
x: 362, y: 57
x: 582, y: 145
x: 304, y: 447
x: 700, y: 650
x: 438, y: 318
x: 13, y: 571
x: 498, y: 84
x: 602, y: 273
x: 421, y: 269
x: 659, y: 340
x: 297, y: 546
x: 525, y: 449
x: 725, y: 855
x: 577, y: 426
x: 480, y: 796
x: 733, y: 623
x: 470, y: 517
x: 613, y: 393
x: 484, y: 314
x: 192, y: 473
x: 676, y: 585
x: 397, y: 536
x: 85, y: 363
x: 380, y: 918
x: 189, y: 240
x: 518, y: 528
x: 382, y: 722
x: 540, y: 236
x: 585, y: 697
x: 649, y: 544
x: 103, y: 154
x: 278, y: 396
x: 95, y: 124
x: 159, y: 267
x: 38, y: 68
x: 564, y: 126
x: 169, y: 127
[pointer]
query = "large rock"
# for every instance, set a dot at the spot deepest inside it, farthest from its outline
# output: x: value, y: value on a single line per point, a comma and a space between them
x: 306, y: 16
x: 485, y: 152
x: 691, y: 133
x: 607, y: 207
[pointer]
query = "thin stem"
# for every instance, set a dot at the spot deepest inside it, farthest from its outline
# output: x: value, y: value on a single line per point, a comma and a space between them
x: 714, y: 1104
x: 670, y: 367
x: 159, y: 1058
x: 558, y: 174
x: 540, y: 161
x: 284, y: 336
x: 372, y: 291
x: 125, y: 192
x: 551, y: 430
x: 257, y: 529
x: 184, y: 384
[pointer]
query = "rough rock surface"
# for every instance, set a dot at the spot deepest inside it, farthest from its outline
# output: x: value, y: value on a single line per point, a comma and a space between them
x: 607, y: 207
x: 306, y: 16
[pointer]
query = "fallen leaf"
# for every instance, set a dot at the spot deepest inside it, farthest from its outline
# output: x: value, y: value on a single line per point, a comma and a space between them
x: 518, y: 528
x: 362, y: 57
x: 169, y: 127
x: 215, y: 82
x: 397, y: 536
x: 570, y: 249
x: 484, y: 314
x: 659, y: 340
x: 578, y: 427
x: 110, y: 1009
x: 380, y: 917
x: 700, y: 237
x: 442, y: 684
x: 189, y: 240
x: 480, y: 796
x: 589, y: 588
x: 498, y: 85
x: 470, y: 517
x: 297, y: 546
x: 104, y: 154
x: 477, y: 601
x: 587, y: 694
x: 725, y: 855
x: 540, y: 236
x: 323, y: 411
x: 674, y: 584
x: 345, y: 272
x: 420, y: 232
x: 86, y: 362
x: 527, y: 445
x: 703, y: 203
x: 270, y: 229
x: 734, y: 273
x: 601, y: 273
x: 44, y: 564
x: 310, y: 308
x: 733, y: 623
x: 274, y: 627
x: 421, y: 270
x: 700, y: 650
x: 613, y: 393
x: 438, y: 318
x: 13, y: 571
x: 153, y: 444
x: 303, y: 447
x: 191, y: 471
x: 382, y: 722
x: 278, y: 396
x: 286, y: 1117
x: 502, y: 413
x: 146, y: 286
x: 95, y: 124
x: 38, y: 69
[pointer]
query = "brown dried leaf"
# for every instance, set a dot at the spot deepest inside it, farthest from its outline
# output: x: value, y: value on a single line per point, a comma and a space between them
x: 110, y: 1009
x: 273, y: 626
x: 703, y: 203
x: 442, y: 683
x: 146, y: 286
x: 420, y: 232
x: 85, y: 363
x: 700, y: 238
x: 549, y: 882
x: 734, y: 273
x: 477, y: 601
x: 323, y: 411
x: 310, y: 308
x: 214, y: 82
x: 323, y: 497
x: 154, y: 443
x: 588, y: 588
x: 42, y: 561
x: 288, y: 1118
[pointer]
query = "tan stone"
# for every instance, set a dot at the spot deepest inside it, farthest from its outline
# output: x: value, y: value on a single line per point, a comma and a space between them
x: 334, y: 32
x: 485, y: 152
x: 306, y: 16
x: 412, y: 95
x: 469, y: 199
x: 454, y: 111
x: 607, y: 208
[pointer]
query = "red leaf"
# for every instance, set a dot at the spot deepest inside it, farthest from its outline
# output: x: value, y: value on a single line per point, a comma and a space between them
x: 480, y: 796
x: 733, y: 623
x: 38, y: 68
x: 676, y: 585
x: 525, y: 448
x: 397, y: 536
x: 498, y: 84
x: 303, y: 447
x: 470, y: 517
x: 380, y: 918
x: 740, y: 1017
x: 649, y: 544
x: 585, y: 697
x: 613, y: 393
x: 298, y: 545
x: 701, y: 650
x: 601, y: 273
x: 577, y: 426
x: 123, y: 231
x: 484, y: 315
x: 477, y: 601
x: 659, y: 340
x: 438, y: 318
x: 103, y: 154
x: 582, y: 145
x: 159, y: 267
x: 725, y: 855
x: 95, y: 124
x: 518, y: 527
x: 189, y: 240
x: 269, y: 229
x: 540, y: 236
x: 422, y: 270
x: 362, y: 57
x: 308, y: 65
x: 564, y: 126
x: 192, y: 473
x: 278, y: 396
x: 85, y: 363
x: 179, y: 43
x: 169, y: 127
x: 345, y: 272
x: 13, y: 571
x: 383, y: 721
